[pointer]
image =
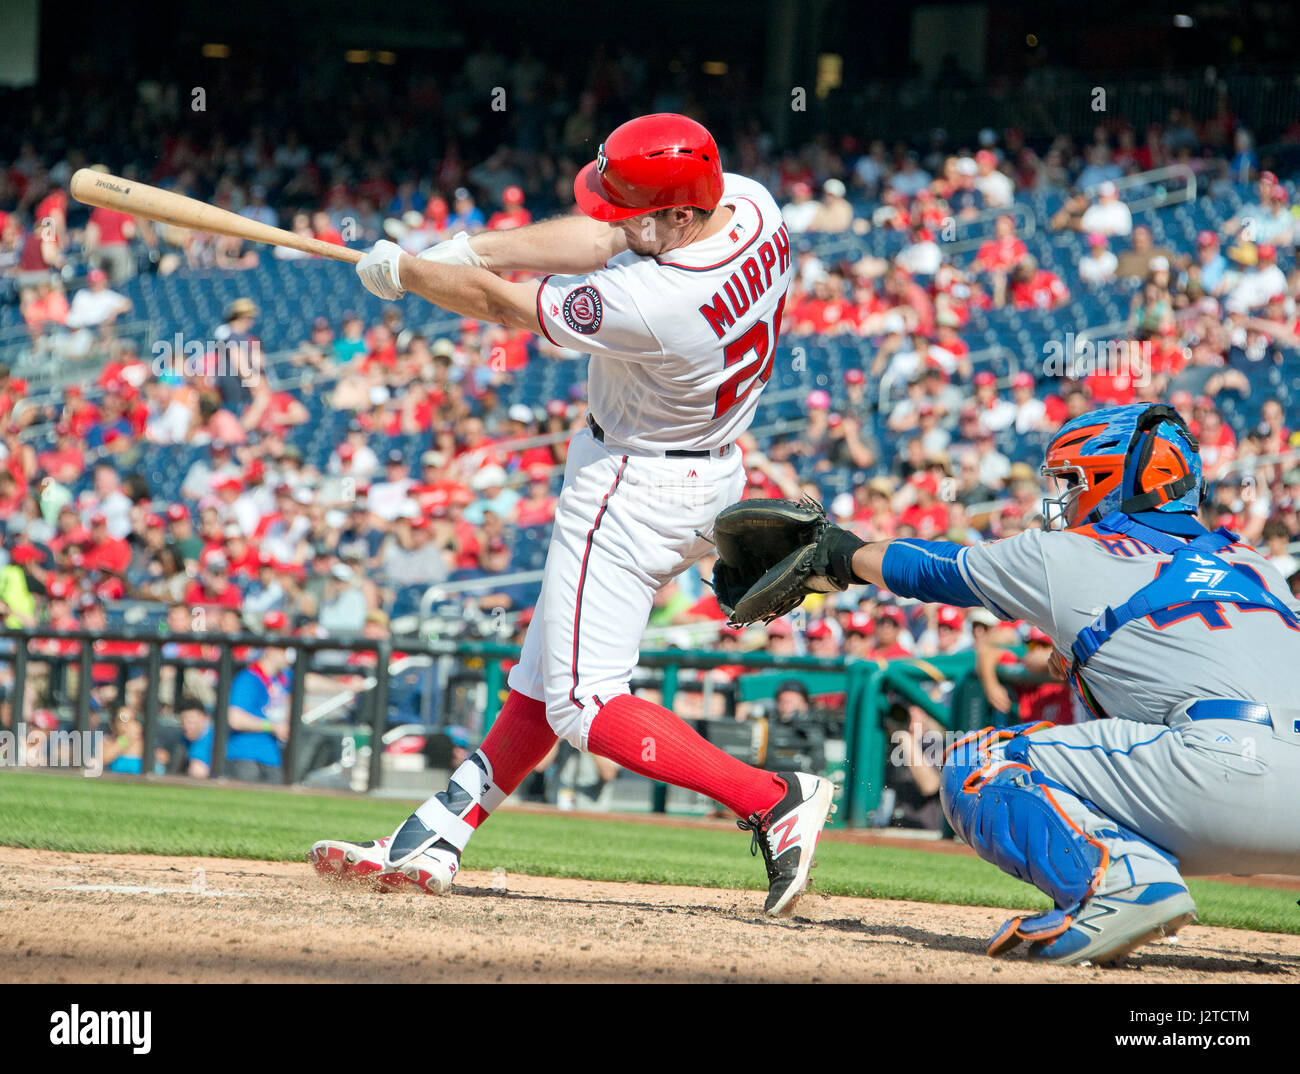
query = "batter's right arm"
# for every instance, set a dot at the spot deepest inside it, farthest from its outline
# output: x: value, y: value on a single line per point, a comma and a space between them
x: 566, y: 246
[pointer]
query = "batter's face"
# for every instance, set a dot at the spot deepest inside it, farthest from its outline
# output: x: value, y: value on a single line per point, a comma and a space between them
x: 657, y: 233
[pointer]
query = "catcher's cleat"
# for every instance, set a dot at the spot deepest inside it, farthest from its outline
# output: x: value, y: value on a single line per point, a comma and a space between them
x: 365, y: 863
x: 1104, y: 929
x: 418, y: 855
x: 787, y: 834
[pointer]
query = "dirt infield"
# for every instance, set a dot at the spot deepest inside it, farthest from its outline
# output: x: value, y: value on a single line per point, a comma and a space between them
x: 105, y: 918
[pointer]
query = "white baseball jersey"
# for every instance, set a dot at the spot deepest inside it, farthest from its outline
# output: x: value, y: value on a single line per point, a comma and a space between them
x: 682, y: 344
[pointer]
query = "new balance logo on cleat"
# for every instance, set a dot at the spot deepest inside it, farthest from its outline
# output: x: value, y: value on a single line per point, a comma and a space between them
x: 787, y: 835
x: 1107, y: 927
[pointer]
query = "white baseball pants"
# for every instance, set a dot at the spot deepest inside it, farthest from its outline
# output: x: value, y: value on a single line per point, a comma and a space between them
x: 625, y: 525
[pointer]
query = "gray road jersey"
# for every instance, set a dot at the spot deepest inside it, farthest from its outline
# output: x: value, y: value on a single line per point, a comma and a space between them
x: 1061, y: 581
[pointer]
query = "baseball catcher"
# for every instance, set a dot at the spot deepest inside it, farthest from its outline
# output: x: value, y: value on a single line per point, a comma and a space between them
x: 1186, y: 639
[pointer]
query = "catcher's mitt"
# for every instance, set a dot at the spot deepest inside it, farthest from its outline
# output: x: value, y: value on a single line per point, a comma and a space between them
x: 773, y: 553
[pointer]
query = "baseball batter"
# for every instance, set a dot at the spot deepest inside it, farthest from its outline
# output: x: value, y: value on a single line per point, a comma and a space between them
x: 1186, y: 639
x: 674, y: 281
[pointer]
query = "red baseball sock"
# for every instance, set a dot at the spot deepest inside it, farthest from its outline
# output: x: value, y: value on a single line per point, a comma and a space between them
x: 650, y: 740
x: 519, y: 739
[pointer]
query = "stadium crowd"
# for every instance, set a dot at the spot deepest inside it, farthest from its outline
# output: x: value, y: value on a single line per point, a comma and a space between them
x: 261, y: 538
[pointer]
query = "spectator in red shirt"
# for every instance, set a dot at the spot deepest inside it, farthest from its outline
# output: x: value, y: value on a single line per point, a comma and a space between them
x: 381, y: 350
x: 866, y: 302
x: 859, y: 628
x: 213, y: 587
x: 324, y: 230
x: 902, y: 290
x: 1218, y: 442
x: 927, y: 516
x: 123, y: 369
x: 537, y: 508
x: 826, y: 311
x: 71, y: 536
x: 94, y: 619
x: 1002, y: 251
x: 1112, y: 382
x: 47, y: 242
x: 272, y: 411
x: 889, y: 632
x: 43, y: 307
x: 106, y: 552
x: 241, y: 556
x: 1035, y: 288
x: 61, y: 592
x: 12, y: 389
x: 79, y: 416
x: 1167, y: 355
x: 416, y: 410
x: 823, y: 639
x: 11, y: 494
x: 513, y: 213
x: 1048, y: 700
x: 107, y: 243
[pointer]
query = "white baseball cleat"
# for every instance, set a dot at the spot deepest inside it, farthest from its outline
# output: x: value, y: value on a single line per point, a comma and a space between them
x: 787, y: 835
x: 431, y: 868
x: 420, y: 856
x: 341, y: 860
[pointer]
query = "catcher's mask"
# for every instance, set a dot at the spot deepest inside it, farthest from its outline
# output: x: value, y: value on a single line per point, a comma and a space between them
x: 1138, y: 457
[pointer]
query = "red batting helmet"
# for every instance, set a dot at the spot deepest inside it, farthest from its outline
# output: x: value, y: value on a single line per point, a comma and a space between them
x: 650, y: 163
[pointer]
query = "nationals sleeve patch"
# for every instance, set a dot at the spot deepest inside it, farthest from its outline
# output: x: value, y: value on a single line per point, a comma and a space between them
x: 582, y: 309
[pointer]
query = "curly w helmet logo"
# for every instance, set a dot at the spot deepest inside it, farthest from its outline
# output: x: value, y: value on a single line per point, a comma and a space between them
x: 602, y: 161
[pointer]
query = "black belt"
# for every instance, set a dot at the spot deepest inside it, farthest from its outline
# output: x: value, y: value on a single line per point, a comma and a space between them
x: 677, y: 453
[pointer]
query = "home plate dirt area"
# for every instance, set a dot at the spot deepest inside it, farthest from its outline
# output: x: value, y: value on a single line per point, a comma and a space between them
x: 105, y: 917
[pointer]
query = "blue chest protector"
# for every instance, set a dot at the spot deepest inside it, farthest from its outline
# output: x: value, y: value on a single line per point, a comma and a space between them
x: 1196, y: 576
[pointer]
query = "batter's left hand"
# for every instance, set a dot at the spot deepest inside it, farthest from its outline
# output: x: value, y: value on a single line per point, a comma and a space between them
x: 378, y: 271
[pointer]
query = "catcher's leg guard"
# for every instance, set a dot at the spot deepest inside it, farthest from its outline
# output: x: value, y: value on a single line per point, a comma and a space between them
x: 994, y: 803
x: 1047, y: 835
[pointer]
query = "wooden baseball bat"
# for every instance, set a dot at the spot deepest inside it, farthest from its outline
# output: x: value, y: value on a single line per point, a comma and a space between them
x: 139, y: 199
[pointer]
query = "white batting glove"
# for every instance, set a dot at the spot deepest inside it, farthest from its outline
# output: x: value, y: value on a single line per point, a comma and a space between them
x: 453, y: 251
x: 378, y: 271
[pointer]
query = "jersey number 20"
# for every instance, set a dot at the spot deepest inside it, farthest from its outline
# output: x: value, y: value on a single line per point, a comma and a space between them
x: 762, y: 341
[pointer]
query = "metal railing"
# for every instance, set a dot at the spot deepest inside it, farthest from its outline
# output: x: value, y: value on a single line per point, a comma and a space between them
x: 442, y: 591
x: 869, y: 689
x: 304, y: 653
x: 48, y: 370
x: 1161, y: 196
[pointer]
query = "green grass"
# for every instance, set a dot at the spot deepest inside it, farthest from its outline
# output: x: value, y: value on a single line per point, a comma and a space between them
x: 100, y: 815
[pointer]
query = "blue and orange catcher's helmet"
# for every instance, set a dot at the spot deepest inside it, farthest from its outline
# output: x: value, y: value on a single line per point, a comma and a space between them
x: 1132, y: 458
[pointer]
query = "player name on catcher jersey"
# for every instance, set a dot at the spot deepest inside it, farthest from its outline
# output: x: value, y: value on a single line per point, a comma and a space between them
x: 1061, y: 581
x: 681, y: 345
